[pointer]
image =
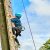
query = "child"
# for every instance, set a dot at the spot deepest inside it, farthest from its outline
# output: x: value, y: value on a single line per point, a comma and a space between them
x: 18, y: 26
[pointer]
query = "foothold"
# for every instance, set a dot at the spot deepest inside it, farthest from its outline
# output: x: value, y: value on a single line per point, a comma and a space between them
x: 10, y: 32
x: 13, y: 36
x: 9, y: 15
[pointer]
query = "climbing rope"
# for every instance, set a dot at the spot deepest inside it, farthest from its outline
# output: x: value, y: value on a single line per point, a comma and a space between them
x: 28, y: 24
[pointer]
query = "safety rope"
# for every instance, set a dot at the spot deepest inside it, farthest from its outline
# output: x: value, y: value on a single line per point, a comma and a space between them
x: 28, y: 24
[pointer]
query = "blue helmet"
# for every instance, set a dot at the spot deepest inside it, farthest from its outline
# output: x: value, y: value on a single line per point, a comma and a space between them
x: 16, y: 21
x: 18, y: 16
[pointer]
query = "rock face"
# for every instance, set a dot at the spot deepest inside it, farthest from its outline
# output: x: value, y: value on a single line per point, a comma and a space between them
x: 3, y: 32
x: 8, y: 13
x: 0, y: 43
x: 7, y: 39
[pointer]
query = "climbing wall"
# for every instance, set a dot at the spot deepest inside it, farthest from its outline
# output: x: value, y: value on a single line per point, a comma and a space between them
x: 3, y: 32
x: 0, y: 41
x: 8, y: 13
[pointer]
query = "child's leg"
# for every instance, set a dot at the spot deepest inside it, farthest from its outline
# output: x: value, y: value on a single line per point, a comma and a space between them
x: 13, y: 30
x: 17, y: 41
x: 18, y: 32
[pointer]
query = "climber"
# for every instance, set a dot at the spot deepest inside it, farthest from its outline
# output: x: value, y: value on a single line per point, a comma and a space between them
x: 18, y: 26
x: 17, y: 23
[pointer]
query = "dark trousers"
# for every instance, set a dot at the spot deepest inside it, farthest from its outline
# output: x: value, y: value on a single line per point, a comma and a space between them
x: 16, y: 33
x: 17, y: 41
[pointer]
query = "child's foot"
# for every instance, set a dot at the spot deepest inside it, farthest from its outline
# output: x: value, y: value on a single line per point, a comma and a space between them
x: 19, y: 34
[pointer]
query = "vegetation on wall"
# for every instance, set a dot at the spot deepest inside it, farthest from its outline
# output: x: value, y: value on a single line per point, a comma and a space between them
x: 46, y: 46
